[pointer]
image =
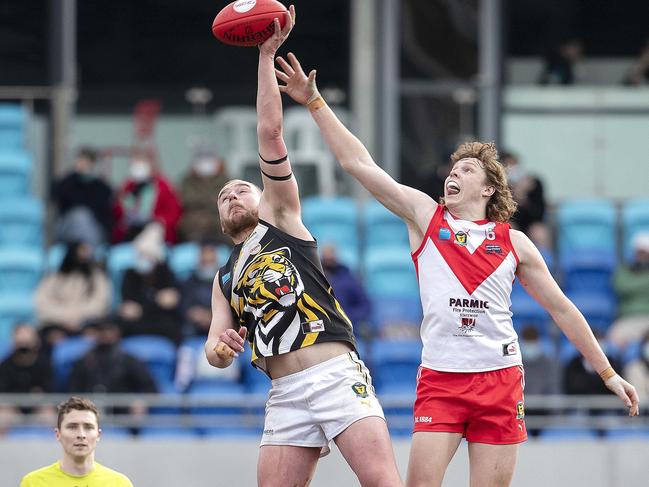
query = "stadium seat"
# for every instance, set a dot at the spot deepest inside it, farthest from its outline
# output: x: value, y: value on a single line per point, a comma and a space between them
x: 567, y: 434
x: 635, y: 219
x: 120, y: 258
x: 598, y: 308
x: 6, y: 347
x: 159, y: 355
x: 29, y: 432
x: 394, y: 365
x: 396, y: 310
x: 13, y: 124
x: 526, y: 311
x: 626, y: 434
x: 193, y: 367
x: 15, y: 171
x: 586, y: 224
x: 588, y: 270
x: 183, y: 259
x: 382, y: 227
x: 21, y: 221
x: 171, y: 432
x: 389, y: 271
x: 20, y: 269
x: 64, y: 354
x: 632, y: 352
x: 13, y: 309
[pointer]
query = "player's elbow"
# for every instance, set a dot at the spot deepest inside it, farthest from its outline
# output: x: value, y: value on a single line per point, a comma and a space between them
x: 269, y: 131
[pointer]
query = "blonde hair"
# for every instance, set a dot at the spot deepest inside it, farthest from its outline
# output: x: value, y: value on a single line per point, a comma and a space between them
x: 501, y: 205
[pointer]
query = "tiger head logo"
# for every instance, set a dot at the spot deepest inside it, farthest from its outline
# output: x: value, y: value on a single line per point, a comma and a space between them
x: 270, y: 279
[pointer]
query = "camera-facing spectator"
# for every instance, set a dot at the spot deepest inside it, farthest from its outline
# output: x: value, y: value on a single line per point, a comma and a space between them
x: 146, y: 196
x: 197, y: 292
x: 150, y: 296
x: 27, y: 369
x: 204, y: 180
x: 527, y: 191
x: 631, y: 284
x: 78, y: 291
x: 84, y: 202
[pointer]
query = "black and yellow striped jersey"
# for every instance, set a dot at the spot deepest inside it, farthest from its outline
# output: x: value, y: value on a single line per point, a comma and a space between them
x: 277, y: 289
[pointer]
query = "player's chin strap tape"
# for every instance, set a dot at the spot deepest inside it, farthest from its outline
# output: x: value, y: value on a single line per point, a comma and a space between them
x: 278, y: 178
x: 276, y: 161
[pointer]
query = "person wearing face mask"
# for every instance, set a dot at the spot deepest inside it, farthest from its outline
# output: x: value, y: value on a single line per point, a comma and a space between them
x: 108, y: 369
x: 146, y: 196
x: 205, y: 177
x: 84, y: 201
x: 26, y: 369
x: 197, y: 292
x: 527, y: 191
x: 150, y: 296
x: 638, y: 369
x: 78, y: 291
x: 631, y: 284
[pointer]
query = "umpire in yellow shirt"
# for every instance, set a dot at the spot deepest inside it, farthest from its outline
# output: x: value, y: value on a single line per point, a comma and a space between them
x: 78, y: 432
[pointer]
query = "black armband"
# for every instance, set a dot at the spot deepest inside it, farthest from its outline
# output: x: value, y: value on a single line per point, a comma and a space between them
x: 276, y: 161
x: 278, y: 178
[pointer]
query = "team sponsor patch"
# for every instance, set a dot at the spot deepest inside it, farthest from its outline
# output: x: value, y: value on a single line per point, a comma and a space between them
x: 423, y: 419
x: 256, y: 249
x: 225, y: 278
x: 510, y: 349
x: 461, y: 238
x: 493, y: 249
x: 313, y: 326
x: 520, y: 410
x: 490, y: 234
x: 360, y: 389
x: 444, y: 234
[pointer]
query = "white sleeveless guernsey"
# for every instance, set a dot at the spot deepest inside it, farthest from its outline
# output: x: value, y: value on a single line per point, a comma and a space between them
x: 466, y: 271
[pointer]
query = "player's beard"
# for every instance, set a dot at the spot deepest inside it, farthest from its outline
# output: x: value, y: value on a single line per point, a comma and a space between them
x: 240, y: 222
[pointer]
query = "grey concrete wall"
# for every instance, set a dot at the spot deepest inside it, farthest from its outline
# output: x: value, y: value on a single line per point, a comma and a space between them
x: 228, y: 463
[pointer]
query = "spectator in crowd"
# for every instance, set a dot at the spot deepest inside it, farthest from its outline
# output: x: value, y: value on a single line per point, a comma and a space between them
x: 639, y: 73
x: 26, y: 369
x: 542, y: 372
x: 205, y: 178
x: 527, y: 191
x: 638, y: 370
x: 77, y: 292
x: 560, y: 63
x: 146, y: 196
x: 106, y: 368
x: 580, y: 378
x: 84, y: 201
x: 348, y: 288
x: 539, y: 234
x: 631, y: 284
x: 197, y: 292
x: 150, y: 295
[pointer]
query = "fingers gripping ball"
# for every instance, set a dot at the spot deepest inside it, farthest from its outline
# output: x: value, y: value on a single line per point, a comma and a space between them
x: 248, y: 22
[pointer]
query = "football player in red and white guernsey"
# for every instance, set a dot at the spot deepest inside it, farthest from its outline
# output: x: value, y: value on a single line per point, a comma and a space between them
x: 470, y: 381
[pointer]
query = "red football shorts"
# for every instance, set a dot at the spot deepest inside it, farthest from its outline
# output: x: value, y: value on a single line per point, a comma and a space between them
x: 486, y: 407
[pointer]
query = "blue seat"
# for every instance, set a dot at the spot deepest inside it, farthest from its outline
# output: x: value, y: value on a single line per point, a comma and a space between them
x: 175, y: 432
x: 120, y: 258
x: 13, y: 124
x: 15, y: 172
x: 635, y: 219
x: 632, y: 352
x: 30, y: 432
x: 21, y: 221
x: 183, y: 259
x: 394, y: 365
x: 14, y: 308
x: 526, y: 311
x: 332, y: 220
x: 64, y: 354
x: 625, y: 434
x: 599, y: 309
x: 382, y: 227
x: 389, y: 271
x: 159, y: 355
x: 390, y: 310
x: 588, y: 270
x: 20, y: 269
x: 586, y: 224
x: 567, y: 434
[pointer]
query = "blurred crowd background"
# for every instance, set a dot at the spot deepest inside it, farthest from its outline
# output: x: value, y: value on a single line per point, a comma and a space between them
x: 111, y: 158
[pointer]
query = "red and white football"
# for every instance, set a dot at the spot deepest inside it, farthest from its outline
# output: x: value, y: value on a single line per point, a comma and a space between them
x: 248, y: 22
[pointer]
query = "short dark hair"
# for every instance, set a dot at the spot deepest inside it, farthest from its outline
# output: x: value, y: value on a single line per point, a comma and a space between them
x: 75, y: 403
x: 89, y: 153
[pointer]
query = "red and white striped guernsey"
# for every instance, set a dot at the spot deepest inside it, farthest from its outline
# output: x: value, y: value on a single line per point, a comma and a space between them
x: 466, y: 271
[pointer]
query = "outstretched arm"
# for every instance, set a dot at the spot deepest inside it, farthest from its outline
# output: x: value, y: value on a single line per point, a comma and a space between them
x: 539, y: 283
x: 280, y: 204
x: 408, y: 203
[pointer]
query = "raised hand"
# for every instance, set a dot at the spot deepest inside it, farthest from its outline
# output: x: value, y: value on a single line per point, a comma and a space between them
x: 271, y: 45
x: 299, y: 86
